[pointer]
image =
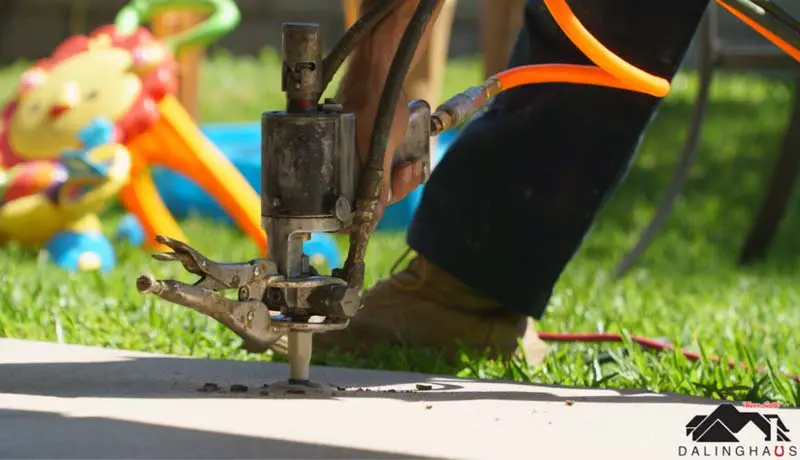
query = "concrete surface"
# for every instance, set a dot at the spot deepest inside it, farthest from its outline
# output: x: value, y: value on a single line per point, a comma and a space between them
x: 79, y: 402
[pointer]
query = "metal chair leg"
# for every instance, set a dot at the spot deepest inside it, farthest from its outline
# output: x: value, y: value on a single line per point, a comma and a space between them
x: 689, y: 153
x: 765, y: 225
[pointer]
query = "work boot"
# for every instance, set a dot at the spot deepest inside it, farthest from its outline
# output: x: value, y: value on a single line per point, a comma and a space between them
x: 424, y: 307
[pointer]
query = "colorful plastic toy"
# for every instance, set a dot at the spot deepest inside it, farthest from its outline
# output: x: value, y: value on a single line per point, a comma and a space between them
x: 54, y: 204
x: 123, y: 74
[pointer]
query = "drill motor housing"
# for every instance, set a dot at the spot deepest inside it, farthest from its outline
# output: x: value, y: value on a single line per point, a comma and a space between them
x: 309, y: 182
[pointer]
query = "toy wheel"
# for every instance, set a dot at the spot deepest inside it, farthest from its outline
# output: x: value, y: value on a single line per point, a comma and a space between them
x: 131, y: 230
x: 81, y: 251
x: 322, y: 251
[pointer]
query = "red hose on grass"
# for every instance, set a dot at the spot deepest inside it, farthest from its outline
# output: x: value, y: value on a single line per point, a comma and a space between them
x: 644, y: 342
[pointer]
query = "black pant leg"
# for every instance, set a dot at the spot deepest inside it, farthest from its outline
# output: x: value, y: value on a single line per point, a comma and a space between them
x: 513, y: 198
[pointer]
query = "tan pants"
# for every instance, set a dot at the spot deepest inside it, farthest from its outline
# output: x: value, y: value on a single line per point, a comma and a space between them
x: 426, y: 79
x: 501, y: 21
x: 170, y: 24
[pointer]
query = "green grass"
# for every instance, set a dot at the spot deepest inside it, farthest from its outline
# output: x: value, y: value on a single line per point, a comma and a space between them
x: 687, y: 289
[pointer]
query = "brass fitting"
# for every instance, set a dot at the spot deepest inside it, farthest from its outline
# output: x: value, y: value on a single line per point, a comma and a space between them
x: 461, y: 107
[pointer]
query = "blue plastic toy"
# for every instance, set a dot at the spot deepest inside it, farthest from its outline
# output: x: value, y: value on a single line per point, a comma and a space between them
x: 81, y: 251
x: 130, y: 229
x: 323, y: 251
x: 99, y: 132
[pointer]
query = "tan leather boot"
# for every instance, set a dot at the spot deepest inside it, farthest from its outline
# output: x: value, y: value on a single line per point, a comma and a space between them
x: 424, y: 307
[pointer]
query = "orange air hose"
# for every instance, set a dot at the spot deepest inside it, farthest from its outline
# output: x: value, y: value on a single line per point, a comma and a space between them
x: 610, y: 71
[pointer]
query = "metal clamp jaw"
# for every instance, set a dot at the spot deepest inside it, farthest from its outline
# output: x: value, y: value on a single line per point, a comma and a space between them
x: 261, y: 315
x: 416, y: 144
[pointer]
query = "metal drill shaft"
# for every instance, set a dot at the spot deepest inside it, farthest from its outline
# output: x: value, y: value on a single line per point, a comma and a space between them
x: 300, y: 347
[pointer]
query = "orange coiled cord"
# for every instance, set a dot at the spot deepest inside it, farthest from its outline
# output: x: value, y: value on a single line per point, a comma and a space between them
x: 611, y: 71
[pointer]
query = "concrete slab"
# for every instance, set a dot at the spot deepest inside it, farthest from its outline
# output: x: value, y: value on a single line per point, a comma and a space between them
x: 80, y: 402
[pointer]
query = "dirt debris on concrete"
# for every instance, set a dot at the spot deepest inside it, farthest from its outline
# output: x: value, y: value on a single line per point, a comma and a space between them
x: 209, y: 387
x: 264, y: 390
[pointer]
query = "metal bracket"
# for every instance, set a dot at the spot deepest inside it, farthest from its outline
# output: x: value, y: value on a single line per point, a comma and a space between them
x: 416, y: 144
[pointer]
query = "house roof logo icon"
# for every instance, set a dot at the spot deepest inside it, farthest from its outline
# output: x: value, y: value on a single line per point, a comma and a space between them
x: 726, y: 421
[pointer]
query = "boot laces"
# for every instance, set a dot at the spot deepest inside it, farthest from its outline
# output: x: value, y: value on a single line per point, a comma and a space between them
x: 424, y: 272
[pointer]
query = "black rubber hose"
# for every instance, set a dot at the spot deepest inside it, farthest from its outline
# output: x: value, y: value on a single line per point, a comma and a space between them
x: 336, y: 57
x: 781, y: 14
x: 372, y: 176
x: 687, y: 157
x: 690, y: 150
x: 766, y: 19
x: 398, y: 71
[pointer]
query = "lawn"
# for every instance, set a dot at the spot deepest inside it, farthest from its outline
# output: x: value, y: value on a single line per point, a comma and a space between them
x: 687, y: 289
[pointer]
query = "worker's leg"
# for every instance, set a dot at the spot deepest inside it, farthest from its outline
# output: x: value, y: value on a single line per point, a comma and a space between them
x: 511, y: 201
x: 513, y: 198
x: 500, y: 23
x: 425, y: 80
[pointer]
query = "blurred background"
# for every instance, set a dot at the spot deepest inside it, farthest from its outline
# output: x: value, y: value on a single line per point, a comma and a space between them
x: 32, y: 28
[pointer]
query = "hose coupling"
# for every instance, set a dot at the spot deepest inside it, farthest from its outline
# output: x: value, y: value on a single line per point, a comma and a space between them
x: 461, y: 107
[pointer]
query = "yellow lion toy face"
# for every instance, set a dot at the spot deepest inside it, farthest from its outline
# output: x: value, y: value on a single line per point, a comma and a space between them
x: 119, y: 78
x: 94, y: 83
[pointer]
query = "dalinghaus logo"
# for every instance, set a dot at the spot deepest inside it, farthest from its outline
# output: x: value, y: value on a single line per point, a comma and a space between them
x: 717, y: 435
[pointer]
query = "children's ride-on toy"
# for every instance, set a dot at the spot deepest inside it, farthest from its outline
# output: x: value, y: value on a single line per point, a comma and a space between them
x: 124, y: 76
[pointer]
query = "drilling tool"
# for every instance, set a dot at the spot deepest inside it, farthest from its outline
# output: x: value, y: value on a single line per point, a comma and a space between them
x: 310, y: 179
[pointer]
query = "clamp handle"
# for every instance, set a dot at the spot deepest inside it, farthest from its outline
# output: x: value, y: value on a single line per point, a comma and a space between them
x: 416, y: 145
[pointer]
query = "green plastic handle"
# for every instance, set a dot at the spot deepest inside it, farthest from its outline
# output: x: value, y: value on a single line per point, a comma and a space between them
x: 224, y: 17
